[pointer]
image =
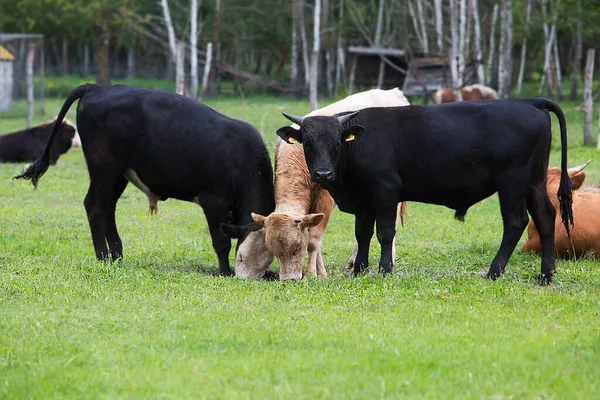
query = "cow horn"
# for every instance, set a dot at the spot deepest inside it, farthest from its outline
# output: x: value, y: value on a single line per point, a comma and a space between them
x: 294, y: 119
x: 578, y: 169
x: 345, y: 118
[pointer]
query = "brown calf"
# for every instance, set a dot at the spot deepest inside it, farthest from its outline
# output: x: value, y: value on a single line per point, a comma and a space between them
x: 468, y: 93
x: 585, y: 234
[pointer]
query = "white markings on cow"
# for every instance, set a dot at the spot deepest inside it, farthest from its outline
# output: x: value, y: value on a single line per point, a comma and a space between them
x: 153, y: 199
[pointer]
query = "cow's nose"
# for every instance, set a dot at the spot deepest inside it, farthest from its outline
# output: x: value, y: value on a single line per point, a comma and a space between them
x: 323, y: 174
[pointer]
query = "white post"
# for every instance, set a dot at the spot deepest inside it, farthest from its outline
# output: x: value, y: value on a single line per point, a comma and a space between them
x: 29, y: 72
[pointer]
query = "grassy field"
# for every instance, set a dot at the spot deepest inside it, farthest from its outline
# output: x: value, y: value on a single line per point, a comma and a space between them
x: 161, y: 325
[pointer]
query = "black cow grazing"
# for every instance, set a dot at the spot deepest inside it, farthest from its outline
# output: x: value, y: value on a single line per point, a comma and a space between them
x: 453, y: 155
x: 29, y: 144
x: 168, y: 146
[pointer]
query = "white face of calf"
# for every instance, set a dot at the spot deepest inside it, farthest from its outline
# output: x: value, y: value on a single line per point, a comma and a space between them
x: 252, y: 258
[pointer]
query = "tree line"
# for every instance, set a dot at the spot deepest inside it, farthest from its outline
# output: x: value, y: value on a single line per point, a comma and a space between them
x: 300, y: 45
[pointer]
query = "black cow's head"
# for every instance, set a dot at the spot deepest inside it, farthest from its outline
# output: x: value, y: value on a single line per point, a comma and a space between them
x: 322, y: 138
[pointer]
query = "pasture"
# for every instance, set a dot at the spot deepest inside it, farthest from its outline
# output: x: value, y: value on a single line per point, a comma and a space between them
x: 159, y: 324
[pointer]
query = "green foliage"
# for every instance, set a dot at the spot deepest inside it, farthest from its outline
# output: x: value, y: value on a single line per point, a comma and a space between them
x: 159, y: 324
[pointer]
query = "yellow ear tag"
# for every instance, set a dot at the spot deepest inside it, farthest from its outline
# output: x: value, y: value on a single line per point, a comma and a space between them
x: 350, y: 138
x: 292, y: 140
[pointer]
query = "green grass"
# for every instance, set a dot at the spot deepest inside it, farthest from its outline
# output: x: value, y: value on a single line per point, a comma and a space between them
x: 161, y: 325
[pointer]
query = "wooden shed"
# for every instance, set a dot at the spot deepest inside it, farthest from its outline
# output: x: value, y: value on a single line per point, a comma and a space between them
x: 6, y: 79
x: 369, y: 69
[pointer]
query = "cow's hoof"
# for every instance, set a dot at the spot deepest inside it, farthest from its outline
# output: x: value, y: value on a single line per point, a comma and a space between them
x: 493, y: 275
x: 349, y: 270
x: 544, y: 279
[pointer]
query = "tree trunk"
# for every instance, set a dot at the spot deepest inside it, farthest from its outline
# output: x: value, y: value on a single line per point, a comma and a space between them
x: 170, y: 30
x: 194, y: 48
x: 101, y: 54
x: 305, y: 59
x: 415, y: 21
x: 213, y: 82
x: 439, y: 19
x: 339, y: 65
x: 179, y: 67
x: 29, y: 73
x: 352, y: 78
x: 206, y: 74
x: 379, y: 26
x: 524, y: 49
x: 508, y: 45
x: 65, y: 56
x: 295, y: 25
x: 578, y: 54
x: 423, y: 24
x: 478, y: 50
x: 130, y: 62
x: 587, y: 97
x: 492, y: 47
x: 454, y: 57
x: 86, y: 60
x: 314, y: 68
x: 462, y: 24
x: 558, y: 79
x: 502, y: 52
x: 547, y: 58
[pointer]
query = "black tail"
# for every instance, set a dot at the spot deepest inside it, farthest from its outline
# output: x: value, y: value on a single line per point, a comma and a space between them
x: 35, y: 171
x: 565, y: 192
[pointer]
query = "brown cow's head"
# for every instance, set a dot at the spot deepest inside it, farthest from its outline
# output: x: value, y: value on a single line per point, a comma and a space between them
x: 287, y: 238
x: 577, y: 177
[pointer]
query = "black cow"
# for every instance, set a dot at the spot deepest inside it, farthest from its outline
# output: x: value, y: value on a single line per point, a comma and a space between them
x: 28, y: 145
x: 453, y: 154
x: 168, y: 146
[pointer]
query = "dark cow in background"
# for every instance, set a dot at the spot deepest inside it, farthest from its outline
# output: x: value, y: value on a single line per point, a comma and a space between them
x: 29, y: 144
x: 168, y: 146
x: 584, y: 238
x: 453, y: 154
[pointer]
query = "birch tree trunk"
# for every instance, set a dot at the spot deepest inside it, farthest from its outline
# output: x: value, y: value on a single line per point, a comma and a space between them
x: 378, y: 29
x: 339, y: 65
x: 130, y: 62
x: 179, y: 67
x: 194, y: 48
x: 547, y: 59
x: 461, y: 43
x: 423, y: 26
x: 558, y: 71
x: 65, y: 55
x: 294, y: 58
x: 213, y: 78
x: 578, y: 54
x: 492, y: 47
x: 524, y: 49
x: 314, y: 68
x: 439, y: 33
x: 170, y: 31
x: 415, y: 22
x: 86, y: 60
x: 478, y: 50
x: 305, y: 59
x: 206, y: 74
x: 454, y: 16
x: 508, y: 45
x: 29, y: 74
x: 587, y: 97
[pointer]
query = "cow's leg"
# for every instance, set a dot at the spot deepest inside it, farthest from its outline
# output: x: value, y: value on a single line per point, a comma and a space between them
x: 350, y: 265
x: 321, y: 266
x: 315, y: 240
x: 386, y: 230
x: 112, y: 235
x: 97, y: 206
x: 217, y: 212
x: 363, y: 230
x: 543, y: 213
x: 514, y: 217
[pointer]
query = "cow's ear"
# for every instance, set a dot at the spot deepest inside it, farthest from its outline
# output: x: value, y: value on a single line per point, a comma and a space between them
x: 311, y: 220
x: 351, y: 132
x: 259, y: 219
x: 577, y: 180
x: 290, y: 135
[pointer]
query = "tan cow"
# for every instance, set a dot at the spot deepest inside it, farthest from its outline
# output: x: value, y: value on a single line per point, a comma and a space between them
x: 302, y: 208
x: 468, y: 93
x: 585, y: 234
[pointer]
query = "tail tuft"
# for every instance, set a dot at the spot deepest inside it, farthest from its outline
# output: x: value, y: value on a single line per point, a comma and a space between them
x: 565, y: 200
x: 35, y: 171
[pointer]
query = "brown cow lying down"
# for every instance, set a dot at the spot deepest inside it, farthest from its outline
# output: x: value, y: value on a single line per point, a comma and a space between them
x: 302, y: 208
x: 468, y: 93
x: 585, y: 234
